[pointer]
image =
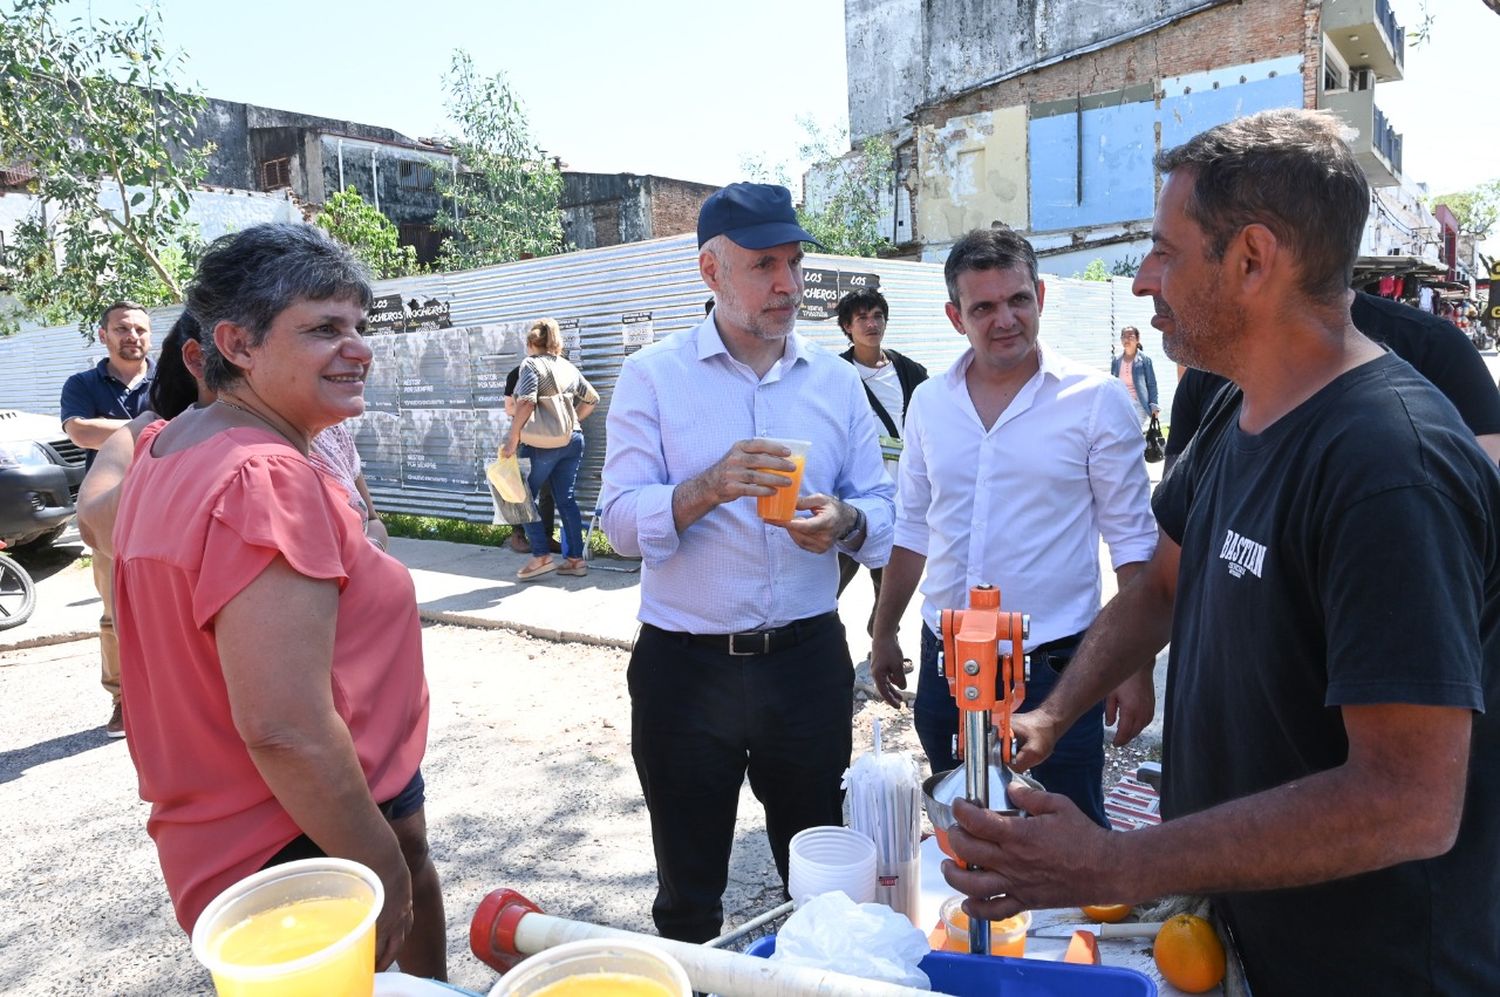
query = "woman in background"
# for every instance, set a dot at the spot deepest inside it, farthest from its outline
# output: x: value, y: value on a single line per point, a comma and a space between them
x: 1134, y: 368
x: 545, y: 373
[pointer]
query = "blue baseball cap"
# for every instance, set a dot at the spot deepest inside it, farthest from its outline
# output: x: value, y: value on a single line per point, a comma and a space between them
x: 752, y: 215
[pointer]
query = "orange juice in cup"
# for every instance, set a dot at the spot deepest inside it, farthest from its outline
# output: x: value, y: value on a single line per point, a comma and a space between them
x: 302, y: 929
x: 1007, y: 937
x: 782, y: 506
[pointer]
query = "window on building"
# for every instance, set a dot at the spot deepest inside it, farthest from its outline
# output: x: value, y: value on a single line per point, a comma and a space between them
x: 276, y: 173
x: 414, y: 176
x: 1335, y: 70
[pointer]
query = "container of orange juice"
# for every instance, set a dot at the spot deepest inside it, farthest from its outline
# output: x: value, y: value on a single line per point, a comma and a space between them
x: 302, y: 929
x: 603, y: 967
x: 1007, y: 937
x: 781, y: 507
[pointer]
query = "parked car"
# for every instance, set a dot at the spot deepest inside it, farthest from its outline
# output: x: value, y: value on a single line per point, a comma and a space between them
x: 40, y: 470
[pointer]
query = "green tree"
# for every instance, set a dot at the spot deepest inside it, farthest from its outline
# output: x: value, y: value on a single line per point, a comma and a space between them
x: 371, y: 236
x: 507, y: 189
x: 849, y: 219
x: 89, y: 110
x: 844, y: 209
x: 1096, y: 270
x: 1477, y: 209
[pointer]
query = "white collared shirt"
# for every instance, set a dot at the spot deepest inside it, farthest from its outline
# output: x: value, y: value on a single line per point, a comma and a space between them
x: 1023, y: 504
x: 678, y: 407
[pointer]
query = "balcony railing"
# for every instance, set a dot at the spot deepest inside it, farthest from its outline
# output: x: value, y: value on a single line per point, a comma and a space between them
x: 1387, y: 141
x: 1367, y: 35
x: 1378, y: 147
x: 1393, y: 30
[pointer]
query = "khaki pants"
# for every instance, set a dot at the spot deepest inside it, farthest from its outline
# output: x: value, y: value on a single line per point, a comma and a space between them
x: 109, y: 645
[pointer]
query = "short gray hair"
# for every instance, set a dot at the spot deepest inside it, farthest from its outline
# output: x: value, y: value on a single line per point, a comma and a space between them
x: 998, y: 248
x: 250, y: 277
x: 1290, y: 171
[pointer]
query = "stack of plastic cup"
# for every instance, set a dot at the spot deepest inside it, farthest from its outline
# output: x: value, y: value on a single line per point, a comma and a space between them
x: 825, y: 859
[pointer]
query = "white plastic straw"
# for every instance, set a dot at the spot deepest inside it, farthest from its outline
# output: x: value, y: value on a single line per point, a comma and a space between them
x: 885, y: 806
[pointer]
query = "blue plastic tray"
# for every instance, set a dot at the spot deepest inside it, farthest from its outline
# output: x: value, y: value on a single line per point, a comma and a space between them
x: 998, y: 976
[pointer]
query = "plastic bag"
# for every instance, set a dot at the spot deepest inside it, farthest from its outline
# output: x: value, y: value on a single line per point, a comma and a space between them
x: 830, y: 931
x: 885, y: 805
x: 506, y: 478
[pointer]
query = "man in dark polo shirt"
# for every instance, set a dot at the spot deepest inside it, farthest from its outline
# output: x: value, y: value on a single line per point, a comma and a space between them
x: 95, y: 403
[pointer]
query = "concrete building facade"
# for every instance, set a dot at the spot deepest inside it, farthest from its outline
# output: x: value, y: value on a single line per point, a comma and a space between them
x: 608, y: 209
x: 1045, y: 116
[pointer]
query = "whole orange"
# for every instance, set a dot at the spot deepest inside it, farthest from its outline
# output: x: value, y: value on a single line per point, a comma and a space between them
x: 1188, y: 954
x: 1107, y: 913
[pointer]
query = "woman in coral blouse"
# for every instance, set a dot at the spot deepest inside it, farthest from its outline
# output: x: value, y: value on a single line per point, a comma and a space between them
x: 271, y: 657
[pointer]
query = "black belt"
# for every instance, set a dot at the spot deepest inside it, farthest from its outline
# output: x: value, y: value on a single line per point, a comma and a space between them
x: 751, y: 642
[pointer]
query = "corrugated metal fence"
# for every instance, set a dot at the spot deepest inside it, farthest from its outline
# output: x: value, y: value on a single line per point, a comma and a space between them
x: 435, y: 416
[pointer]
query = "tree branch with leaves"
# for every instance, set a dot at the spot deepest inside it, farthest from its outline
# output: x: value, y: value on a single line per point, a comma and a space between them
x: 506, y: 190
x: 90, y: 111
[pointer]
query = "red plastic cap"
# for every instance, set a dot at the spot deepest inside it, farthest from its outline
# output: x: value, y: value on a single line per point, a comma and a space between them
x: 492, y: 932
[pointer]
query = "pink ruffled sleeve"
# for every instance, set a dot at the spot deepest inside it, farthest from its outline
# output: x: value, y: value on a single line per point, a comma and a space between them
x: 276, y: 504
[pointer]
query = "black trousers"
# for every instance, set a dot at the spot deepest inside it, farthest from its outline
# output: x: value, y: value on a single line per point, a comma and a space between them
x: 700, y: 720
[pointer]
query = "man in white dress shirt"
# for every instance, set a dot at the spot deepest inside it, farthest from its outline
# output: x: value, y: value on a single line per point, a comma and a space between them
x: 1016, y: 461
x: 741, y: 665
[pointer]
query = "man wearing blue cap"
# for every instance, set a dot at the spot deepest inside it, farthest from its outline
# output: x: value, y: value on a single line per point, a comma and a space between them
x: 741, y: 665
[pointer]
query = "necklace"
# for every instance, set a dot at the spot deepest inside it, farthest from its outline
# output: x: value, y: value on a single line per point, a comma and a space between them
x: 251, y: 412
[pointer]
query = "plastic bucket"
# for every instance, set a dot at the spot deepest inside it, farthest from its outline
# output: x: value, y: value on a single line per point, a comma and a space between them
x: 303, y: 929
x: 596, y: 968
x: 825, y: 859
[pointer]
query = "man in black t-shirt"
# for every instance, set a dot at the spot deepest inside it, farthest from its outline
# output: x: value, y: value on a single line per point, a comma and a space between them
x: 1437, y: 349
x: 1328, y: 573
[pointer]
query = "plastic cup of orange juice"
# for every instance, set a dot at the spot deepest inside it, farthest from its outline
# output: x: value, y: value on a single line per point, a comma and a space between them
x: 1007, y: 937
x: 782, y: 506
x: 302, y: 929
x: 596, y: 968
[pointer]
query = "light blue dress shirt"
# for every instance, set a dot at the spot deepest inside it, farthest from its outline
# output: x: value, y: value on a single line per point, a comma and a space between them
x: 678, y: 407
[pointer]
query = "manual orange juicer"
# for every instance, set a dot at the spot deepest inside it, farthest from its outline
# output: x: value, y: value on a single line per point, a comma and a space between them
x: 988, y: 687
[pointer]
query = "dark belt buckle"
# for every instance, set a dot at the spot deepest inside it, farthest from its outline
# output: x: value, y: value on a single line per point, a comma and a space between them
x: 758, y: 642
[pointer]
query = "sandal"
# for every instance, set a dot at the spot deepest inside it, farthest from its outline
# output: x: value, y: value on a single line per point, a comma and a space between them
x: 577, y: 567
x: 527, y: 574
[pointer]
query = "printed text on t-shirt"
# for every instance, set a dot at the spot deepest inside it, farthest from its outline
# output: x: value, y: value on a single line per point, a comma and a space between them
x: 1242, y: 553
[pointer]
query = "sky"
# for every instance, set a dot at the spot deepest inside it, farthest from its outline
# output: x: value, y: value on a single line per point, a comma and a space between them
x: 689, y: 89
x: 668, y: 87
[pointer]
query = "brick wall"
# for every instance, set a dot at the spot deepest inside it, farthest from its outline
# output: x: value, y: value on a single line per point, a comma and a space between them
x: 1228, y: 35
x: 675, y: 204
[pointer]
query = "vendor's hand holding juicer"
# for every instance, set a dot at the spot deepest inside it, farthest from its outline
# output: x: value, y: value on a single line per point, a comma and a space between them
x: 988, y: 687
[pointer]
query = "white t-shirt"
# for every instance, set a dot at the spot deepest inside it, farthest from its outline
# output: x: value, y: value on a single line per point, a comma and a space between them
x: 886, y: 386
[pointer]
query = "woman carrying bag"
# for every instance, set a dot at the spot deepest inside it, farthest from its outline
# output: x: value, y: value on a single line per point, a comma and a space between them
x: 551, y: 401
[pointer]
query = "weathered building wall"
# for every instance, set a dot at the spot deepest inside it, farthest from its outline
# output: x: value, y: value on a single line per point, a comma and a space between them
x: 406, y: 178
x: 674, y: 205
x: 604, y: 209
x: 884, y: 47
x: 609, y: 209
x: 1066, y: 148
x: 972, y: 173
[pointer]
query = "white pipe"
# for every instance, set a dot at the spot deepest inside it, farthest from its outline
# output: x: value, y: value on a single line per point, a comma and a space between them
x: 375, y: 178
x: 730, y: 974
x: 341, y: 165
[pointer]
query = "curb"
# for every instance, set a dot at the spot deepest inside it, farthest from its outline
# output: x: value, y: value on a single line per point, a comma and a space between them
x: 46, y: 640
x: 540, y: 633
